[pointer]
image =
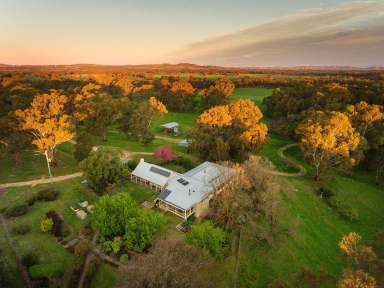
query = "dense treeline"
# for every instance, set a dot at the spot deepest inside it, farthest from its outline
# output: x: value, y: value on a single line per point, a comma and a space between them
x: 94, y: 102
x: 306, y: 111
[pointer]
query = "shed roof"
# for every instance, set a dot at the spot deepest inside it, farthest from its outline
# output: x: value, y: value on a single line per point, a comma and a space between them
x: 170, y: 125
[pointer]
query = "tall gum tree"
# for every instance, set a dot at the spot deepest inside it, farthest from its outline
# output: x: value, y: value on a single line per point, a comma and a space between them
x: 327, y: 140
x: 46, y: 122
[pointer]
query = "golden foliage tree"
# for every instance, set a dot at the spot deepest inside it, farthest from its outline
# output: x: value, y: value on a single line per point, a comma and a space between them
x: 349, y: 244
x: 81, y: 101
x: 47, y: 123
x: 218, y: 93
x: 124, y: 83
x: 157, y: 105
x: 357, y: 279
x: 364, y: 115
x: 223, y: 86
x: 235, y: 127
x: 327, y: 139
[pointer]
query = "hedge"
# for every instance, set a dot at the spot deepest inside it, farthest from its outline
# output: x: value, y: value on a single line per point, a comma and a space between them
x: 47, y: 270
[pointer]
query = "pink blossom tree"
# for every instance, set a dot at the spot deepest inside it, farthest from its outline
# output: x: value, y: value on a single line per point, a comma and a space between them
x: 164, y: 153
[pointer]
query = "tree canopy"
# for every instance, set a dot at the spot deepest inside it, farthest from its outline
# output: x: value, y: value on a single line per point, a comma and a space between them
x: 103, y: 168
x: 119, y: 215
x: 46, y: 121
x: 327, y: 140
x: 229, y: 131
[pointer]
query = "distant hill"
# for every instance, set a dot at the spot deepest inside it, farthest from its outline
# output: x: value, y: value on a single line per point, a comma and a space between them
x: 177, y: 68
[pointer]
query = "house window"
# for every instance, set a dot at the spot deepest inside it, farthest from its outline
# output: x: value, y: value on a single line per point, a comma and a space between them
x: 210, y: 203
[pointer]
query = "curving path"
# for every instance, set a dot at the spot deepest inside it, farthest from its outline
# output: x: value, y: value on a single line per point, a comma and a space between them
x: 280, y: 152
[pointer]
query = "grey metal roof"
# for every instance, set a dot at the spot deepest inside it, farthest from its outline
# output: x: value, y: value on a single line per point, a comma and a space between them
x: 169, y: 125
x: 152, y: 173
x: 202, y: 180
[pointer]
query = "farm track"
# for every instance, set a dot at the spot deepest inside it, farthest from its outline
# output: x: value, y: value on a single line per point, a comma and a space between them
x: 41, y: 181
x: 128, y: 155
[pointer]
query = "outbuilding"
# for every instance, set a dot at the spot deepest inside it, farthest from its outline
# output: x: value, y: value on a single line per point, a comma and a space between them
x: 171, y: 127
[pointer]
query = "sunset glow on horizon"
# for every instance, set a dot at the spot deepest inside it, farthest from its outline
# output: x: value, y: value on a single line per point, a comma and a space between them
x: 215, y: 32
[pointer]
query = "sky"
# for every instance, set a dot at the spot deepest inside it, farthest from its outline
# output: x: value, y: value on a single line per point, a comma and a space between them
x: 246, y: 33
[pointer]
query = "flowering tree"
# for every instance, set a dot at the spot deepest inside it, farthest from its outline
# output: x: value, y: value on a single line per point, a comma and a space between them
x: 164, y: 153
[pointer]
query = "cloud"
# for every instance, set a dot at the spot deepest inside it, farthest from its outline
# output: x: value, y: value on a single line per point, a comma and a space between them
x: 351, y: 34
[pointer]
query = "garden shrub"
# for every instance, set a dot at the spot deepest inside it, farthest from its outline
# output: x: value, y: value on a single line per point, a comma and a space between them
x: 208, y: 237
x: 116, y: 244
x: 21, y: 229
x: 48, y: 270
x: 124, y: 258
x: 30, y: 258
x: 45, y: 195
x: 16, y: 210
x: 46, y: 225
x: 57, y: 228
x: 107, y: 246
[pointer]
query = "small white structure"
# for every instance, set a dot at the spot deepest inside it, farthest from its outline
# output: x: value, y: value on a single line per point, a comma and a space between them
x: 171, y: 127
x: 184, y: 143
x: 183, y: 194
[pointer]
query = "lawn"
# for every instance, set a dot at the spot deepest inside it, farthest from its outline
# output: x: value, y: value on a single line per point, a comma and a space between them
x: 185, y: 119
x: 255, y: 94
x: 269, y: 150
x: 117, y: 139
x: 34, y: 165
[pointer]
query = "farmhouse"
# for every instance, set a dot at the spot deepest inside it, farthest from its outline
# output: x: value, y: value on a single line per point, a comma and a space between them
x: 183, y: 194
x: 171, y: 127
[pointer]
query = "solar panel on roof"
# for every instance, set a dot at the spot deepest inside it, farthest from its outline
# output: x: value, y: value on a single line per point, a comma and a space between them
x: 163, y: 195
x: 183, y: 181
x: 160, y: 171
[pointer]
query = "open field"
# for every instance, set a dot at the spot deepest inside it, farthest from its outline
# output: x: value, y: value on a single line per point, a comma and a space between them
x: 34, y: 165
x: 255, y: 94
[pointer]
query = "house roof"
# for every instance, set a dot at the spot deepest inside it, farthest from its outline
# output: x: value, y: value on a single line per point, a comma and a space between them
x: 152, y: 173
x: 170, y: 125
x: 186, y: 190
